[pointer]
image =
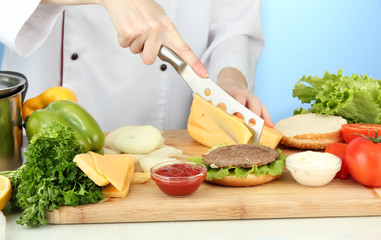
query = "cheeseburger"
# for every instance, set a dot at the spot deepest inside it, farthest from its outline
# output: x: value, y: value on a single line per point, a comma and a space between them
x: 243, y: 165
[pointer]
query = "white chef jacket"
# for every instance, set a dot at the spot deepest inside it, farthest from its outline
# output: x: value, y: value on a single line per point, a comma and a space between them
x: 77, y: 47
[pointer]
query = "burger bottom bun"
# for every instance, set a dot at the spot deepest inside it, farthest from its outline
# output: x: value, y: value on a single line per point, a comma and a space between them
x: 312, y: 140
x: 250, y: 180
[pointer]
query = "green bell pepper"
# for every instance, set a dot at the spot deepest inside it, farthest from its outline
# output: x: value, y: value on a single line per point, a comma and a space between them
x: 87, y: 131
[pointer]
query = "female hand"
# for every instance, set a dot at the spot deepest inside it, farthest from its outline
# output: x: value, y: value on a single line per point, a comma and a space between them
x: 233, y: 82
x: 143, y: 26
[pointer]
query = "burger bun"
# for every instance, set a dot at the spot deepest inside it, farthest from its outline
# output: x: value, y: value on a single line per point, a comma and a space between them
x: 310, y: 131
x: 250, y: 180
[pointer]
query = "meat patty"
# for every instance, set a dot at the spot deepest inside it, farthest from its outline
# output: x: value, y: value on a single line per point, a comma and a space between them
x: 241, y: 155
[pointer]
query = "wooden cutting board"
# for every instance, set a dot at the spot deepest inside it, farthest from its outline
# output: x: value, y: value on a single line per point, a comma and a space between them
x: 283, y: 198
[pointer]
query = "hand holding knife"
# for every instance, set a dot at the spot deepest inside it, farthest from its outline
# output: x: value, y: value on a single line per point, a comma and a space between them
x: 210, y: 91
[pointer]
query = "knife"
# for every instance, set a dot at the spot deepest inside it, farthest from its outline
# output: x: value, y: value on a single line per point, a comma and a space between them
x: 211, y: 92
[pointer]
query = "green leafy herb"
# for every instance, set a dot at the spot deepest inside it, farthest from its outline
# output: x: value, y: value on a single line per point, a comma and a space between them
x: 356, y: 98
x: 50, y: 178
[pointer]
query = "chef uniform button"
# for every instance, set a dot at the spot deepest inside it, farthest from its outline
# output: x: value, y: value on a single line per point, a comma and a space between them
x: 163, y: 67
x: 74, y: 56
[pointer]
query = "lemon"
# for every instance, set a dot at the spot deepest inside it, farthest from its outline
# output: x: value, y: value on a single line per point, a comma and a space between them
x: 5, y: 191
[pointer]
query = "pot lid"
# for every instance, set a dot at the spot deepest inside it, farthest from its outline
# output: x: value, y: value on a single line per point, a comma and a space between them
x: 11, y: 83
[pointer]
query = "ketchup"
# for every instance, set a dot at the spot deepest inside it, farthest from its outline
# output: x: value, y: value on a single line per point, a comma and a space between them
x: 179, y: 179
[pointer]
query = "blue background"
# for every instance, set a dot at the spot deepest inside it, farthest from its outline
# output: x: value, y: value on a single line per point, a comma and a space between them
x: 307, y: 37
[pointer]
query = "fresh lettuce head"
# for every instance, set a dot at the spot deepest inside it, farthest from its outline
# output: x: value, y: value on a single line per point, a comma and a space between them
x: 356, y: 98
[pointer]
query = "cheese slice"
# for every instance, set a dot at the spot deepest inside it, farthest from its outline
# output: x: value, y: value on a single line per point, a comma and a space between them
x: 111, y: 191
x: 113, y: 166
x: 211, y: 126
x: 87, y: 165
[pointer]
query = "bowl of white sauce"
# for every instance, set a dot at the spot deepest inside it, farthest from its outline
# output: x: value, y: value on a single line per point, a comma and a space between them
x: 314, y: 169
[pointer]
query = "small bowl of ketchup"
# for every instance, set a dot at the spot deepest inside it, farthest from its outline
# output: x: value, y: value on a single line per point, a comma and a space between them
x: 178, y: 179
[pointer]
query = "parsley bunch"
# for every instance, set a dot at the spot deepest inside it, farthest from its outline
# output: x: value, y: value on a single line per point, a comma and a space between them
x: 50, y: 178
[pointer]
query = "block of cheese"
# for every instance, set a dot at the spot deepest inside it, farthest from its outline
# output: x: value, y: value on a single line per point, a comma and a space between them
x: 270, y: 137
x: 111, y: 191
x: 210, y: 125
x: 113, y: 166
x: 87, y: 165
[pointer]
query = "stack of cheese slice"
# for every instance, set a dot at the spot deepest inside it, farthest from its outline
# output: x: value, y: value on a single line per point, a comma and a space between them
x: 114, y: 171
x: 210, y: 126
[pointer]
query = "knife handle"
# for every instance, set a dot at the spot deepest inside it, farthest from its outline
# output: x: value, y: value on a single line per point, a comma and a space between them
x: 171, y: 57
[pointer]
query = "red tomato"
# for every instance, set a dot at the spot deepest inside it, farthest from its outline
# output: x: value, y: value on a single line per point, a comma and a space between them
x: 363, y: 158
x: 347, y: 130
x: 339, y: 149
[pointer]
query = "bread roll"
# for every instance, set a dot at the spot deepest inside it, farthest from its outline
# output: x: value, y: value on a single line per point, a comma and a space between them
x: 310, y: 131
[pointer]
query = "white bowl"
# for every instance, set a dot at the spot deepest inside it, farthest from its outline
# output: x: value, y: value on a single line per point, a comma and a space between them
x: 313, y: 169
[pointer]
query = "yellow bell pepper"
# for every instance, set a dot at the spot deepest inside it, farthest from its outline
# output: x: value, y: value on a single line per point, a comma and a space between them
x: 50, y: 95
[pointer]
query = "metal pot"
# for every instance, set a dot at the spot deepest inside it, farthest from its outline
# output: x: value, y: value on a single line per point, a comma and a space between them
x: 13, y: 87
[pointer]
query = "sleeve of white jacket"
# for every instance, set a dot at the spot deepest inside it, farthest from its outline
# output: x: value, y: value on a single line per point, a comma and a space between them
x: 235, y: 38
x: 24, y: 24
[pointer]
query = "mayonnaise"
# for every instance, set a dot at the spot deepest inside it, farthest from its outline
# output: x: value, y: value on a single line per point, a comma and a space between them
x: 313, y: 168
x: 312, y: 159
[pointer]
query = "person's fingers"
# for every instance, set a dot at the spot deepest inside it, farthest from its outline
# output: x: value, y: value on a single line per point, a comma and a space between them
x: 254, y: 105
x: 129, y: 32
x: 151, y: 48
x: 134, y: 21
x: 125, y: 38
x: 141, y: 33
x: 137, y: 44
x: 261, y: 110
x: 124, y: 21
x: 144, y: 25
x: 184, y: 51
x: 266, y: 116
x: 241, y: 98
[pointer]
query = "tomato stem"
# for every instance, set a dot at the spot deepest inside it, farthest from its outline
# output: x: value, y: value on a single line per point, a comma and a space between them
x: 375, y: 139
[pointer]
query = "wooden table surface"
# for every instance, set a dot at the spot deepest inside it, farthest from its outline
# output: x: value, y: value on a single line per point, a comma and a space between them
x: 282, y: 198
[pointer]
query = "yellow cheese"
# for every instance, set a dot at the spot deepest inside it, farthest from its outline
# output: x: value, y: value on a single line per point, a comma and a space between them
x: 87, y: 165
x: 270, y: 137
x: 211, y: 126
x: 111, y: 191
x: 113, y: 166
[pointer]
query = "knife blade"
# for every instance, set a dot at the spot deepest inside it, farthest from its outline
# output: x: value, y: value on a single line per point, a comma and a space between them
x: 211, y: 92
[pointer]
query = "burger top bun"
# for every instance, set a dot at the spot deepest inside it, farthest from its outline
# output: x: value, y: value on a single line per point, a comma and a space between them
x: 310, y: 131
